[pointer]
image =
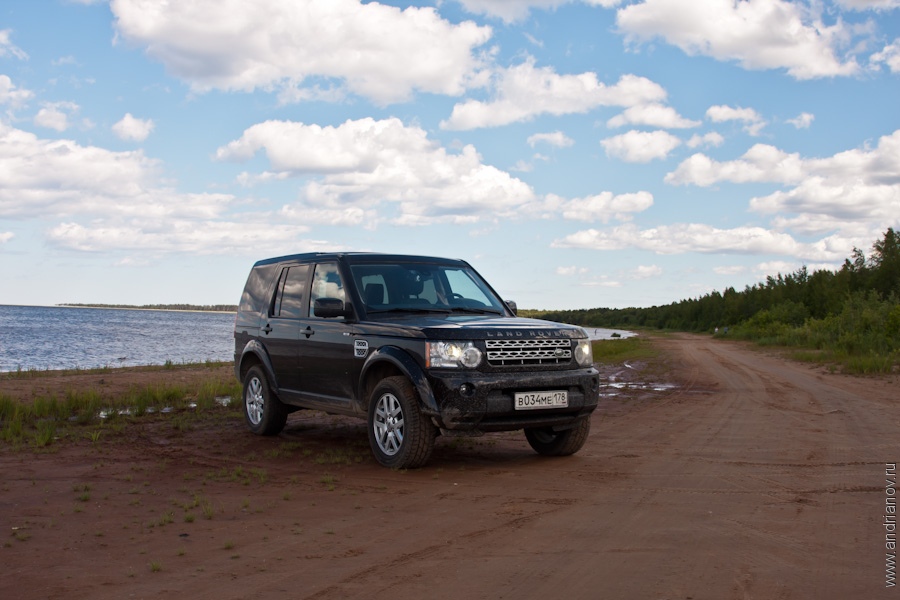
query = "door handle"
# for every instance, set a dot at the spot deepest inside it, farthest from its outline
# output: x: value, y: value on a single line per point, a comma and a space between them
x: 308, y: 331
x: 267, y: 329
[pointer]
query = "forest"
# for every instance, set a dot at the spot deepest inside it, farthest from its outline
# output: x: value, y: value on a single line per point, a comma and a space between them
x: 848, y: 318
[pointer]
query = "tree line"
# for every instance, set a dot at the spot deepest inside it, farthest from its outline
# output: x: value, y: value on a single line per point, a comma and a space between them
x: 850, y: 315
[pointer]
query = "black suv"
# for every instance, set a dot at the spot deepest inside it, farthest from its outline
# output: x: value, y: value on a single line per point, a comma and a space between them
x: 416, y: 345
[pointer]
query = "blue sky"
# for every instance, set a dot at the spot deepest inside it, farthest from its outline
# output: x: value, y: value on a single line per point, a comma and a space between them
x: 579, y: 153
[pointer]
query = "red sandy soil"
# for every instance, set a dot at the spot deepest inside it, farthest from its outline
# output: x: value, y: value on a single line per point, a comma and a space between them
x: 755, y: 477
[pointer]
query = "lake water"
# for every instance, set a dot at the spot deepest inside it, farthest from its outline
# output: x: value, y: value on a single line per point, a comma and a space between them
x: 599, y: 333
x: 37, y: 337
x: 41, y: 337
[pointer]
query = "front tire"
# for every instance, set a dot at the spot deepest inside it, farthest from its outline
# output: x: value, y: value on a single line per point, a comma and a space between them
x: 263, y: 412
x: 401, y: 437
x: 546, y: 441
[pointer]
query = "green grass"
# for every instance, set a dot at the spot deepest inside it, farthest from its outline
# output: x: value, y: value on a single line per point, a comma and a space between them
x: 83, y: 414
x: 169, y: 365
x: 624, y: 349
x: 240, y: 475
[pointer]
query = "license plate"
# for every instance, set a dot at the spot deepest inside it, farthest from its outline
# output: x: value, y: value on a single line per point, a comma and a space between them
x: 538, y: 400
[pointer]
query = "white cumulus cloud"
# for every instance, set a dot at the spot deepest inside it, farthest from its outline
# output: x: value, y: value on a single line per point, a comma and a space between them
x: 758, y: 34
x: 600, y: 207
x: 516, y: 10
x: 373, y: 50
x: 12, y: 96
x: 55, y: 115
x: 557, y: 139
x: 7, y: 48
x: 696, y: 237
x: 133, y: 129
x: 368, y: 162
x: 803, y: 120
x: 855, y: 191
x: 524, y: 91
x: 653, y: 115
x: 95, y: 200
x: 889, y: 55
x: 708, y: 139
x: 752, y: 120
x: 640, y: 146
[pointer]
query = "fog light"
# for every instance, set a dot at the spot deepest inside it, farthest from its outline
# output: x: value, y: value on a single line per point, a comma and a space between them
x: 467, y: 390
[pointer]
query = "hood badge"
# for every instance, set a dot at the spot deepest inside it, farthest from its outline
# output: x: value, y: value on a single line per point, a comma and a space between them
x: 520, y: 333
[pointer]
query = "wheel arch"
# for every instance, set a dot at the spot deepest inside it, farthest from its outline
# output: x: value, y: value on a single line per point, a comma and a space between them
x: 390, y: 361
x: 255, y: 354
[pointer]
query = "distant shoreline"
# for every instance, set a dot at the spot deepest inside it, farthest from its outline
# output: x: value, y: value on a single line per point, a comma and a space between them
x: 226, y: 308
x: 223, y: 308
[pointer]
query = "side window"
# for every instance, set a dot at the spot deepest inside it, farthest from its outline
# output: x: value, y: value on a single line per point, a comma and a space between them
x: 255, y: 292
x: 294, y: 292
x: 327, y: 283
x: 289, y: 296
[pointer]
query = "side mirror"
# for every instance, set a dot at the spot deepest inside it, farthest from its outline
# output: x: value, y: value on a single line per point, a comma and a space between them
x: 330, y: 308
x: 511, y: 304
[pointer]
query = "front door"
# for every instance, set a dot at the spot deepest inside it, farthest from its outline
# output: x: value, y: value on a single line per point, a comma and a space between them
x: 329, y: 370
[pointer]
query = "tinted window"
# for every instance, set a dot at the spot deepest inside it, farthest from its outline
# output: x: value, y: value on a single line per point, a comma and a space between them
x: 254, y: 298
x: 289, y: 299
x: 422, y: 286
x: 327, y: 283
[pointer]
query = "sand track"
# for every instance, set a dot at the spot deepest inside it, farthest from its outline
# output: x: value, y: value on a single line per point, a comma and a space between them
x: 755, y: 478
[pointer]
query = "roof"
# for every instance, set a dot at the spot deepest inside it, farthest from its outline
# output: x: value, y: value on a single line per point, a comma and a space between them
x: 357, y: 258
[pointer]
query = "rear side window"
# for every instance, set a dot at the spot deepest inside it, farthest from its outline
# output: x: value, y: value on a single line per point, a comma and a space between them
x: 254, y: 298
x: 290, y: 293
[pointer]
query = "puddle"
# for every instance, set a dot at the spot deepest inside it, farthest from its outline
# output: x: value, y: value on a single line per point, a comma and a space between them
x: 105, y: 414
x: 633, y: 386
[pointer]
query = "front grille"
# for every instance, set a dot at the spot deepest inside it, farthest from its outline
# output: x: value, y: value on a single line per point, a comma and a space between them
x: 519, y: 352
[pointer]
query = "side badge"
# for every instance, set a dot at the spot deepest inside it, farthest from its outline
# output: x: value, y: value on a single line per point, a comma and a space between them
x: 360, y: 348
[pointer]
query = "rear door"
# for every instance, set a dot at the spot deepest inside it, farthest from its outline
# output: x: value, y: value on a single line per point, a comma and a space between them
x: 281, y: 331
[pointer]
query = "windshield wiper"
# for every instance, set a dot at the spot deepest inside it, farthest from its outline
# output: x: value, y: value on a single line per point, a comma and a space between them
x: 410, y: 309
x: 477, y: 311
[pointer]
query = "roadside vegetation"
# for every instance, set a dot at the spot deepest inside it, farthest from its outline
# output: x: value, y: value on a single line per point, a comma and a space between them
x: 89, y: 414
x: 849, y: 318
x: 625, y: 349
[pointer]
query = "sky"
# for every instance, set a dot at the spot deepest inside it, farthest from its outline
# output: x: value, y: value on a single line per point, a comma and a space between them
x: 578, y: 153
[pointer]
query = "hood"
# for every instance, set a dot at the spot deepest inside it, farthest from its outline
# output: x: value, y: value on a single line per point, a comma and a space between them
x: 471, y: 327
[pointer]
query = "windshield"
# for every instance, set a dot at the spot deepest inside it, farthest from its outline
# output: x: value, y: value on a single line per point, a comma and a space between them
x: 422, y: 287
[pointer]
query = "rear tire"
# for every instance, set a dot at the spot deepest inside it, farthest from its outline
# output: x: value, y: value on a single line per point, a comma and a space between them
x: 401, y: 437
x: 547, y: 442
x: 263, y: 412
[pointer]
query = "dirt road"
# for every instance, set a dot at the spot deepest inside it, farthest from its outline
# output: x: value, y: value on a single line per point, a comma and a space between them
x: 756, y: 478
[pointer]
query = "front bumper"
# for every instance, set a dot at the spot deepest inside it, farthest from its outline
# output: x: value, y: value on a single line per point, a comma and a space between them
x: 475, y: 401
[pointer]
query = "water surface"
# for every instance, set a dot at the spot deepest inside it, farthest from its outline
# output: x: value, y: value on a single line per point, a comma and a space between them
x: 43, y: 337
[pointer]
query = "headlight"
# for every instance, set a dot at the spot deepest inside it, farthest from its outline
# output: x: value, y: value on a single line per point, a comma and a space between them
x: 584, y: 353
x: 452, y: 354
